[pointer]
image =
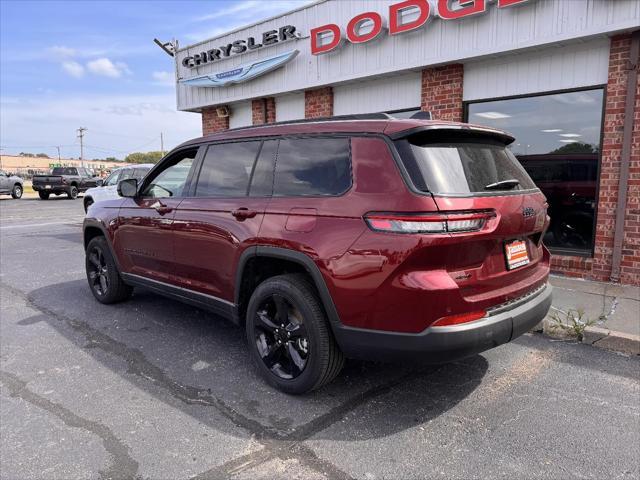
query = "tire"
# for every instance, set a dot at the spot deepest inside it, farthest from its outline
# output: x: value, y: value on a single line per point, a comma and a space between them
x: 279, y: 363
x: 73, y: 192
x: 43, y: 195
x: 88, y: 201
x: 103, y: 276
x: 17, y: 191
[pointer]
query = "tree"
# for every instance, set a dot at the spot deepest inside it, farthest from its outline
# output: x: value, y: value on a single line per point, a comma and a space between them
x: 576, y: 147
x: 143, y: 157
x: 24, y: 154
x: 111, y: 159
x: 42, y: 155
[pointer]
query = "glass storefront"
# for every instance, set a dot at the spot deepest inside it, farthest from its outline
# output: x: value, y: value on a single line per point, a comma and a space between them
x: 558, y: 143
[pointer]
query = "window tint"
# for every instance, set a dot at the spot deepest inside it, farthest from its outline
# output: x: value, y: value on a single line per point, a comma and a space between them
x: 226, y: 169
x: 112, y: 179
x: 312, y: 166
x: 462, y: 167
x: 170, y: 181
x: 64, y: 171
x: 262, y: 180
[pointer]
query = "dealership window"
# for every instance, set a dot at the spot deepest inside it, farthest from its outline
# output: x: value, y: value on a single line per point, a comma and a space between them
x: 558, y: 142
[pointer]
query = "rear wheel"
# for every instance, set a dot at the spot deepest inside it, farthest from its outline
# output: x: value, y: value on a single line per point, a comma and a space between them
x: 17, y: 191
x: 289, y: 337
x: 103, y: 275
x: 73, y: 192
x: 43, y: 195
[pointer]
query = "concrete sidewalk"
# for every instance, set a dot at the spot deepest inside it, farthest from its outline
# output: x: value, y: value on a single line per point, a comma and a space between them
x: 606, y: 315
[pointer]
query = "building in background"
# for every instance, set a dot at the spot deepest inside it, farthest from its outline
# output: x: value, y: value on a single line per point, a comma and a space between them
x: 27, y: 167
x: 559, y: 75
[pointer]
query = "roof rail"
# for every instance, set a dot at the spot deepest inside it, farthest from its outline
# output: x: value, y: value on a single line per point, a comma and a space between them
x: 358, y: 116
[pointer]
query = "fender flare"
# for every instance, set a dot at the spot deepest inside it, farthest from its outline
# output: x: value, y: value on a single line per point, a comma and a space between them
x: 94, y: 223
x: 296, y: 257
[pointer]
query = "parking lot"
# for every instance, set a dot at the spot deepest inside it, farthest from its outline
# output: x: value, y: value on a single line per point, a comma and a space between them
x: 152, y: 388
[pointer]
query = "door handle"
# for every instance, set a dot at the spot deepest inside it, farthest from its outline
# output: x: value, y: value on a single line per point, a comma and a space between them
x: 162, y: 209
x: 244, y: 213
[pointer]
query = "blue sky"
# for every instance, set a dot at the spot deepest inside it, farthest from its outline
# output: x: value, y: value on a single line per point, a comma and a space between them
x: 94, y: 64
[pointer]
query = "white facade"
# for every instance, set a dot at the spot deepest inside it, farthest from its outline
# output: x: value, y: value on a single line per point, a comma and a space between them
x: 540, y: 45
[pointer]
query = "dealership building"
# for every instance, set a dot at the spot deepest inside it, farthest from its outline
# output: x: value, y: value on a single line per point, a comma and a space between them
x: 560, y: 75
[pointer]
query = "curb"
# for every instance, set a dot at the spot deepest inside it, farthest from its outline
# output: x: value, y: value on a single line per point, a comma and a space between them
x: 598, y: 337
x: 612, y: 340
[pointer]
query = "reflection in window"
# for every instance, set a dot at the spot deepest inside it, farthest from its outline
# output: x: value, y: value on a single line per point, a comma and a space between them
x: 313, y: 166
x: 226, y: 169
x: 558, y: 143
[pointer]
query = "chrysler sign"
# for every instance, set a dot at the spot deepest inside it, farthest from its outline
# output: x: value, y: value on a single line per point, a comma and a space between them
x: 271, y: 37
x: 403, y: 17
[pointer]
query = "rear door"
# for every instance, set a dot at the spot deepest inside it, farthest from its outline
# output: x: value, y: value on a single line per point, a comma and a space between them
x: 144, y: 239
x: 467, y: 172
x: 222, y: 215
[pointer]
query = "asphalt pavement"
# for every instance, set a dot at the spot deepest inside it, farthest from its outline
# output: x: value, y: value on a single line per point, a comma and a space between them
x: 151, y: 388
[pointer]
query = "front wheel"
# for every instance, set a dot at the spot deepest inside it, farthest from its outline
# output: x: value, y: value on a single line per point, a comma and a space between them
x: 103, y: 275
x: 43, y: 195
x: 17, y: 191
x: 289, y: 337
x: 73, y: 193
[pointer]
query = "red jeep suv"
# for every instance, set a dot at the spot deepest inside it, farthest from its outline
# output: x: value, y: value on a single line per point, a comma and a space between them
x: 370, y: 238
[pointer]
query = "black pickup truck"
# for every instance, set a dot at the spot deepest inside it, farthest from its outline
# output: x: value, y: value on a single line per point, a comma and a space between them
x: 69, y: 180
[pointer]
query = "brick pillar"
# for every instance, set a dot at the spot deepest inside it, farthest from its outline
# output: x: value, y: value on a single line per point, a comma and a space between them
x: 442, y: 92
x: 212, y: 123
x: 599, y: 268
x: 318, y: 102
x: 258, y: 110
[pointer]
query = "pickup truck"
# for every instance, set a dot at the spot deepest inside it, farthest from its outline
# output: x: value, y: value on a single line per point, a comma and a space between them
x: 69, y: 180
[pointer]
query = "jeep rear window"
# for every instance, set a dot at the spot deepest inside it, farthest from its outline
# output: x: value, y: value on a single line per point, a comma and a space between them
x: 459, y: 166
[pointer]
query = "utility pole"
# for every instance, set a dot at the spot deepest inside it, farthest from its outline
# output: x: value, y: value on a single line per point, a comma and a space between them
x: 161, y: 144
x: 81, y: 131
x: 58, y: 154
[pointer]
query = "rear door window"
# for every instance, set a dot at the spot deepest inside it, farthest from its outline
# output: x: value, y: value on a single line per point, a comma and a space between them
x: 312, y: 166
x: 462, y: 166
x: 226, y: 169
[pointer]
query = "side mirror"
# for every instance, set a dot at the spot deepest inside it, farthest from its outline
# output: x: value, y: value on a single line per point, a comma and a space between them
x: 128, y: 188
x: 99, y: 182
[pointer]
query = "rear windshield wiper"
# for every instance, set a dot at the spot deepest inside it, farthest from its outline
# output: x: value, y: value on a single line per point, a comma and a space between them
x: 503, y: 185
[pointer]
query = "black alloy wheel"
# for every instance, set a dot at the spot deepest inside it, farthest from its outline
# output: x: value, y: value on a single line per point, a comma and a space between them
x: 102, y: 273
x: 289, y: 337
x: 281, y: 337
x: 73, y: 193
x: 97, y: 271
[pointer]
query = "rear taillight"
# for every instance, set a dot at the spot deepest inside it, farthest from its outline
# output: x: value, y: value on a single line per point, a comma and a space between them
x: 449, y: 222
x: 459, y: 319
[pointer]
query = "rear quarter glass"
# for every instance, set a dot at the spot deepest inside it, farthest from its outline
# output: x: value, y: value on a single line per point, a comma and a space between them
x: 459, y: 165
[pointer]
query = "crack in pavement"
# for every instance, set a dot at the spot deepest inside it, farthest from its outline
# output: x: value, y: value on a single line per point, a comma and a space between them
x: 277, y: 444
x: 122, y: 465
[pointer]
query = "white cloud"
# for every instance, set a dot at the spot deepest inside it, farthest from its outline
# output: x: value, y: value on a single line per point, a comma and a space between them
x: 106, y: 68
x: 73, y: 68
x: 60, y: 51
x: 164, y: 78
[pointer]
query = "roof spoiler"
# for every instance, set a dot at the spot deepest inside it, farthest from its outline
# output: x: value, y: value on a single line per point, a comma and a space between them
x: 478, y: 130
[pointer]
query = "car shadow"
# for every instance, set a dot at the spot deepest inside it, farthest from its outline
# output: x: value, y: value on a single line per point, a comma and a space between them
x: 187, y: 357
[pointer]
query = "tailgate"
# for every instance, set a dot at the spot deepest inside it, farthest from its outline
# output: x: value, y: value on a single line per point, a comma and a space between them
x: 505, y: 259
x: 47, y: 180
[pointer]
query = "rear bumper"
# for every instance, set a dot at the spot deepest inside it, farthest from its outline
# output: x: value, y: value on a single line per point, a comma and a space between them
x: 52, y: 189
x: 442, y: 344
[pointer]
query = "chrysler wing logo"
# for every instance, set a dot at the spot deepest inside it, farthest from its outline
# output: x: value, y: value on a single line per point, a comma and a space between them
x: 242, y: 73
